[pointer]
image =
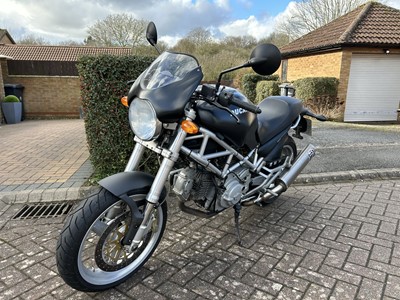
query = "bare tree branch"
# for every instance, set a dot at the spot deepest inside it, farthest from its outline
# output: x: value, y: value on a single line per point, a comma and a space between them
x: 118, y: 30
x: 312, y: 14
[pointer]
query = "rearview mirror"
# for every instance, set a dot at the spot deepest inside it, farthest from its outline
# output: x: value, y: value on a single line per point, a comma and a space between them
x: 151, y: 34
x: 265, y: 59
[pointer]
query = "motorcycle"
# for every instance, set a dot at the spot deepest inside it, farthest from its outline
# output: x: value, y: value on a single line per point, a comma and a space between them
x: 218, y: 151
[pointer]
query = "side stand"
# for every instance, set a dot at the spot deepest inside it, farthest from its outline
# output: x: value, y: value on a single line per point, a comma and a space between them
x: 238, y: 208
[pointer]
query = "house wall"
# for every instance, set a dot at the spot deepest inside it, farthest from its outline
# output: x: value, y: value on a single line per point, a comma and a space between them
x: 336, y: 64
x: 47, y: 96
x: 319, y: 65
x: 6, y: 40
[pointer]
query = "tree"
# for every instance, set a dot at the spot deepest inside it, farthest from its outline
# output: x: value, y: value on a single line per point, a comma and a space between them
x: 118, y: 30
x: 245, y: 41
x: 199, y: 36
x: 276, y: 38
x: 32, y: 39
x: 309, y: 15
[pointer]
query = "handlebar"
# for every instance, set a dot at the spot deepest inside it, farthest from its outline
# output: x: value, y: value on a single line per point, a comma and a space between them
x: 226, y: 98
x: 247, y: 106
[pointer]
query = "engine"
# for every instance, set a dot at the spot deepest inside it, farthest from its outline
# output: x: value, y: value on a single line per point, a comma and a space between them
x: 208, y: 191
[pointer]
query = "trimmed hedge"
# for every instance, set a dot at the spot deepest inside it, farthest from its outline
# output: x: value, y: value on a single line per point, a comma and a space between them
x: 312, y: 87
x: 249, y: 84
x: 266, y: 88
x: 103, y: 82
x: 320, y: 95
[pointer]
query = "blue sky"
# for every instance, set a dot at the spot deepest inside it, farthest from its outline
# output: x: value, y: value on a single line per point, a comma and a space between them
x: 244, y: 8
x: 61, y: 20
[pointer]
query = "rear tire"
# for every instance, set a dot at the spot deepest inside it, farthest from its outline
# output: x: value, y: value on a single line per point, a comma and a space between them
x: 288, y: 149
x: 90, y: 256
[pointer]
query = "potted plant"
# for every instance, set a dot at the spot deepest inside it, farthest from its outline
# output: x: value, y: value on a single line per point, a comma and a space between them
x: 12, y: 109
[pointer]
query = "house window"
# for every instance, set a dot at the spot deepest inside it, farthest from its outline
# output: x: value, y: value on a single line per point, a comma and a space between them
x: 284, y: 70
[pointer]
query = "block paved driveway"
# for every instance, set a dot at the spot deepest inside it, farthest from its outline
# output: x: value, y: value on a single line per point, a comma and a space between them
x: 46, y: 154
x: 331, y: 241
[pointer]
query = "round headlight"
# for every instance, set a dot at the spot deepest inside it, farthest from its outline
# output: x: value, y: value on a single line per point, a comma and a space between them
x: 143, y: 120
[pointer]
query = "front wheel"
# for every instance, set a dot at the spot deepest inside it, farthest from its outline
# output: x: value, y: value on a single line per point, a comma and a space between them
x: 90, y: 254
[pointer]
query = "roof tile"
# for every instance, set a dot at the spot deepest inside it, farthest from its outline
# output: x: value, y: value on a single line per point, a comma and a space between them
x: 57, y: 53
x: 372, y: 24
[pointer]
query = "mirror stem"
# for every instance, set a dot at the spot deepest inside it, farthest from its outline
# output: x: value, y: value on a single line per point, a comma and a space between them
x: 224, y: 72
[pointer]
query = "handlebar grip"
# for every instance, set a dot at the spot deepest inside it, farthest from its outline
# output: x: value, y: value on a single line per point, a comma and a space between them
x: 247, y: 106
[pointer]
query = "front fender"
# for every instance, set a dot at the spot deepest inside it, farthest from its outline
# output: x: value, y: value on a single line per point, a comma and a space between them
x: 122, y: 183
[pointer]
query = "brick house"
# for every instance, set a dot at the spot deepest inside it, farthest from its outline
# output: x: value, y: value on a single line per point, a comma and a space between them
x: 362, y: 50
x: 49, y: 76
x: 5, y: 37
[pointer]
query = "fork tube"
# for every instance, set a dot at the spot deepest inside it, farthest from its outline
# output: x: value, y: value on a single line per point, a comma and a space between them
x: 135, y: 158
x: 158, y: 185
x: 166, y: 166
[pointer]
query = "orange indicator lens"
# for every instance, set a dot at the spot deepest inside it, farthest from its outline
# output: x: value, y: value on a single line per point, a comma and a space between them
x: 189, y: 127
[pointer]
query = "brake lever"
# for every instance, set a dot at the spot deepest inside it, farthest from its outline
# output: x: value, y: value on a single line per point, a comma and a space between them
x: 227, y: 110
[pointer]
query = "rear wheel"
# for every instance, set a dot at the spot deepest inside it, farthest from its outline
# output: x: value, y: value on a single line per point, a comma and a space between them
x: 289, y: 149
x: 90, y: 254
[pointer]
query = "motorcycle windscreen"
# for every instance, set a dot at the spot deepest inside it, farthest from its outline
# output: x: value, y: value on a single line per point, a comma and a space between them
x: 168, y: 84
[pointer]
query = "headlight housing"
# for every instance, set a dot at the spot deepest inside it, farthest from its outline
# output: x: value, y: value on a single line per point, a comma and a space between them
x: 143, y: 120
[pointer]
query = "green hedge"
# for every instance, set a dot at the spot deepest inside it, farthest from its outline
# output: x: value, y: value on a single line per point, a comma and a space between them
x: 249, y: 84
x: 103, y: 82
x: 312, y: 87
x: 266, y: 88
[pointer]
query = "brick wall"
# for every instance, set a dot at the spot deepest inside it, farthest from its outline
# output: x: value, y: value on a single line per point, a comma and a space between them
x: 318, y: 65
x: 48, y: 96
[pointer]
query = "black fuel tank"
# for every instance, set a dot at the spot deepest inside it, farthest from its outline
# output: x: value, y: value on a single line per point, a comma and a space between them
x: 220, y: 121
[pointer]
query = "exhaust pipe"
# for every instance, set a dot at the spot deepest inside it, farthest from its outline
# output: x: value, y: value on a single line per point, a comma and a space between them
x: 287, y: 179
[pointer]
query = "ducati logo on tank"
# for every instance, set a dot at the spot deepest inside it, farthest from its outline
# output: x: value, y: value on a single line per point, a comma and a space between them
x: 239, y: 111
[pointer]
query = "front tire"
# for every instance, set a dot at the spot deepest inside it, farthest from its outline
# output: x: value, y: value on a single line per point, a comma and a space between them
x: 90, y: 256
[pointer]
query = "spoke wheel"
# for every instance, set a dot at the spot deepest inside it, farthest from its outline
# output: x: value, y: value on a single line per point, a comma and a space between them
x: 90, y: 253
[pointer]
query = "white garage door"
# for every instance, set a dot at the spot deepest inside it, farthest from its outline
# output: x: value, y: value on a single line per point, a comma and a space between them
x: 374, y: 88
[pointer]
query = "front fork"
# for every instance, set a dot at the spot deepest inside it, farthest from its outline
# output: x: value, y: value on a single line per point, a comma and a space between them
x: 170, y: 157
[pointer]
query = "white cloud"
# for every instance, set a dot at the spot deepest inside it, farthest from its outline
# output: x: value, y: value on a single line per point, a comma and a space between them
x: 393, y: 3
x: 250, y: 26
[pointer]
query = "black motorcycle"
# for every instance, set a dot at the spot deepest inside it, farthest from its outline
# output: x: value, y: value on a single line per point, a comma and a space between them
x: 218, y: 151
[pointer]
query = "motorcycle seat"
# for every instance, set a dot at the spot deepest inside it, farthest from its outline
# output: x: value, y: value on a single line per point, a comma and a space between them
x: 278, y: 113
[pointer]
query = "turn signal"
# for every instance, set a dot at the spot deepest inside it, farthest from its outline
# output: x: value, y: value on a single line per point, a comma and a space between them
x: 124, y: 101
x: 189, y: 127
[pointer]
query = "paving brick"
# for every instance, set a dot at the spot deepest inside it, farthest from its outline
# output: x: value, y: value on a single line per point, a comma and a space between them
x: 316, y: 292
x: 262, y: 283
x: 393, y: 287
x: 344, y: 290
x: 206, y: 290
x: 358, y: 256
x: 288, y: 263
x: 370, y: 289
x: 235, y: 287
x: 312, y: 261
x: 288, y: 293
x: 315, y: 277
x: 187, y: 273
x: 288, y: 280
x: 259, y: 295
x: 364, y: 271
x: 161, y: 275
x: 173, y: 291
x: 213, y: 271
x: 340, y: 274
